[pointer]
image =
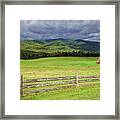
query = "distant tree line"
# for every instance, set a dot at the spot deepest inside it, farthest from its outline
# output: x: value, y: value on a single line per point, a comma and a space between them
x: 27, y: 54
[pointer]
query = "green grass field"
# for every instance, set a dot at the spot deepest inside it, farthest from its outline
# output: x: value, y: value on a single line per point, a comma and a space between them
x: 58, y: 67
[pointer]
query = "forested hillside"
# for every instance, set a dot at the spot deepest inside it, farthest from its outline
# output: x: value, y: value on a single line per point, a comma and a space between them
x: 30, y: 49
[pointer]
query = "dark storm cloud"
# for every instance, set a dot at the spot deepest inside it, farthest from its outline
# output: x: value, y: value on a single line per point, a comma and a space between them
x: 66, y: 29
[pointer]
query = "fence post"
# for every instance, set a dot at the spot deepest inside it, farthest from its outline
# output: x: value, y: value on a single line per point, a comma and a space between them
x: 21, y: 86
x: 77, y: 83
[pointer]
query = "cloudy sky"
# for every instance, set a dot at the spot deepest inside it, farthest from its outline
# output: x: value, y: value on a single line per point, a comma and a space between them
x: 66, y: 29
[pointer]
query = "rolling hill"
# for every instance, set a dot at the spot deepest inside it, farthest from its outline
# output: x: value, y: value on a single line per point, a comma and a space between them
x: 51, y: 46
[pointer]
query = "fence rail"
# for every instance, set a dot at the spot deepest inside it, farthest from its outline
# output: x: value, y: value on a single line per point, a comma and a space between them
x: 56, y: 83
x: 69, y: 81
x: 56, y: 88
x: 57, y: 78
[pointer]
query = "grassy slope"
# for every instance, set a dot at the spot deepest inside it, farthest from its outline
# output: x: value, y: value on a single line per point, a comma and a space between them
x: 49, y: 47
x: 62, y: 66
x: 75, y: 93
x: 58, y: 45
x: 59, y: 66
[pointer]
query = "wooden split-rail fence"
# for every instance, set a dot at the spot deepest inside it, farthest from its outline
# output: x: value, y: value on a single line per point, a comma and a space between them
x: 69, y: 81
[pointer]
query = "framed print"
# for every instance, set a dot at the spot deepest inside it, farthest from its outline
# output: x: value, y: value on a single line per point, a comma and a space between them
x: 60, y: 59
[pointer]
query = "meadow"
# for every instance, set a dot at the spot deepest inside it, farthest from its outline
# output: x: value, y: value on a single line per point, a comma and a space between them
x: 59, y: 67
